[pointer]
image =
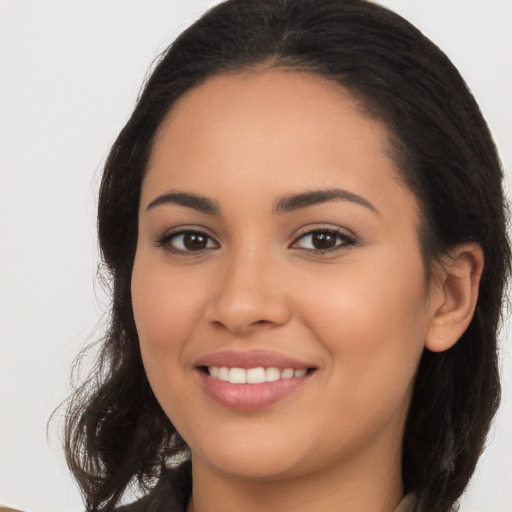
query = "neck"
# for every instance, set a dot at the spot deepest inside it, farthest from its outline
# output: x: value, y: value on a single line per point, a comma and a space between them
x: 355, y: 487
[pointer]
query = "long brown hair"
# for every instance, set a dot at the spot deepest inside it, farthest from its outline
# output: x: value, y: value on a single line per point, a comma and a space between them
x: 116, y: 431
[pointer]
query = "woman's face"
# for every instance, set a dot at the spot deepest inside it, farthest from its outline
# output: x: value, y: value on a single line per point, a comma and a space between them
x: 277, y: 242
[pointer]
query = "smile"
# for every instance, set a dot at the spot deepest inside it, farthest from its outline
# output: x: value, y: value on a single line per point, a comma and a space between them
x: 257, y: 375
x: 252, y: 380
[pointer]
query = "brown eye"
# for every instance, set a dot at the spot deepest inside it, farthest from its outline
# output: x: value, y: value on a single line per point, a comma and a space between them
x: 187, y: 242
x: 324, y: 240
x: 195, y: 241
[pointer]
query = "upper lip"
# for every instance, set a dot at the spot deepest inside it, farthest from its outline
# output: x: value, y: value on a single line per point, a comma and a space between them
x: 250, y: 359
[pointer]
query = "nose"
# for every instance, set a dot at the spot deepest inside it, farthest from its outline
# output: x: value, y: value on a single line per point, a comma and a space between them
x: 248, y: 295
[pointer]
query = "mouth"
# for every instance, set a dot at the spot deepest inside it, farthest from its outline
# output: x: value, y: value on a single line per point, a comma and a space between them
x: 257, y: 375
x: 253, y: 380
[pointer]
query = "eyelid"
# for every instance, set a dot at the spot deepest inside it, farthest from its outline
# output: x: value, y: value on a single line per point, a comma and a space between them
x: 163, y: 240
x: 348, y: 238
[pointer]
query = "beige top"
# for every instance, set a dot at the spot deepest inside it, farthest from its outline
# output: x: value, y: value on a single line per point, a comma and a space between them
x: 407, y: 504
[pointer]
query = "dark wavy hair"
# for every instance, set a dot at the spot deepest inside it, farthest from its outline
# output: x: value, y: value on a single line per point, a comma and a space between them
x: 116, y: 433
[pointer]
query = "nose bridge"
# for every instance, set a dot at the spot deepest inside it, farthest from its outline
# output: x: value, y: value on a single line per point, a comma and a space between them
x: 247, y: 291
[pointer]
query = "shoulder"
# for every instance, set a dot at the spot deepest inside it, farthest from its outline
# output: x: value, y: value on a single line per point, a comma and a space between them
x: 170, y: 494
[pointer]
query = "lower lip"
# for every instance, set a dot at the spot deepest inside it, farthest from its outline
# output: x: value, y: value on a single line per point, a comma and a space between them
x: 250, y: 397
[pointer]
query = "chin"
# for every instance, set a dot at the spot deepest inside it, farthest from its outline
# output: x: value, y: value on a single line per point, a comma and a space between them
x: 249, y: 458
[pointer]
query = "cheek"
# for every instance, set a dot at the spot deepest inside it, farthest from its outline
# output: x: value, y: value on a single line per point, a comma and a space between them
x: 372, y: 319
x: 165, y: 311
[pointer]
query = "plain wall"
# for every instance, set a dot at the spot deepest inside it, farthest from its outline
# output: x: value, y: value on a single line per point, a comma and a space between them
x: 70, y: 71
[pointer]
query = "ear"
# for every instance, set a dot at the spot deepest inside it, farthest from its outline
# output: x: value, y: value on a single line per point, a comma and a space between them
x: 454, y: 292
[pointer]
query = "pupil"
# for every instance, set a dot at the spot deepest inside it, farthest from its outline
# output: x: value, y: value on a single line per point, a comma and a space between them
x: 194, y: 241
x: 324, y: 240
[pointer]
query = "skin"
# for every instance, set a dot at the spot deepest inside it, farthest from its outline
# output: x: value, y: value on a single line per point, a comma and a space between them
x: 360, y: 314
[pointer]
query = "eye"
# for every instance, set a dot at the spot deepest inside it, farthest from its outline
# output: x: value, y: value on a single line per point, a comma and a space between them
x: 186, y: 242
x: 323, y: 240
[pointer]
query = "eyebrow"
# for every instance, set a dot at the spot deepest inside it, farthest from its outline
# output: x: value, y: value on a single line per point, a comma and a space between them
x: 194, y: 201
x: 306, y: 199
x: 284, y: 204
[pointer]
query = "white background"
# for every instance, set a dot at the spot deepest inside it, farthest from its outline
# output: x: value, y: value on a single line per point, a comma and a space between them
x: 70, y: 71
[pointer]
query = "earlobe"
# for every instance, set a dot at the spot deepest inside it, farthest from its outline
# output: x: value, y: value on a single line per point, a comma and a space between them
x: 455, y: 295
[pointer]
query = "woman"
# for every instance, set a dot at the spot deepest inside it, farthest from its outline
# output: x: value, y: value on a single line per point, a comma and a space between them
x: 304, y: 224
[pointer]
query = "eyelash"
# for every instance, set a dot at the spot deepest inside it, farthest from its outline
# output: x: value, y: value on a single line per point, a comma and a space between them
x: 342, y: 240
x: 165, y: 241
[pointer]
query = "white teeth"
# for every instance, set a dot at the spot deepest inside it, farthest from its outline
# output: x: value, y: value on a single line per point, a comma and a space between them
x: 272, y: 374
x: 287, y: 373
x: 223, y: 374
x: 253, y: 375
x: 237, y: 376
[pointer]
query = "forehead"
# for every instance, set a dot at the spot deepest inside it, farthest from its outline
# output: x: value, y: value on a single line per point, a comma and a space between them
x: 292, y: 103
x: 273, y: 128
